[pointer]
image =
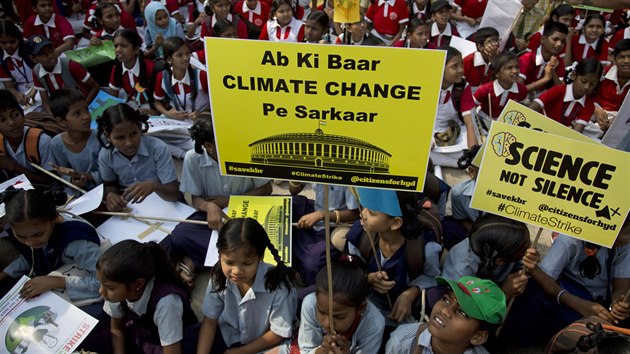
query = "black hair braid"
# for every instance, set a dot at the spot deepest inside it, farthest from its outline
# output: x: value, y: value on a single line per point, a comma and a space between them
x: 202, y: 132
x: 55, y: 192
x: 118, y: 73
x: 590, y: 266
x: 280, y: 274
x: 103, y: 125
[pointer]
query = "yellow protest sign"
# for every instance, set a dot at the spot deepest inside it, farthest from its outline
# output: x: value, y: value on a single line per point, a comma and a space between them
x: 346, y: 11
x: 554, y: 182
x: 273, y: 213
x: 515, y: 113
x: 348, y: 115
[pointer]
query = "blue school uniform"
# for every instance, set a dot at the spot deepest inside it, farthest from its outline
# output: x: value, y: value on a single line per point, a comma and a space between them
x: 19, y: 155
x: 242, y: 319
x: 402, y: 338
x: 365, y: 339
x: 152, y: 162
x: 84, y: 161
x: 161, y: 316
x: 71, y: 242
x: 201, y: 177
x: 396, y: 269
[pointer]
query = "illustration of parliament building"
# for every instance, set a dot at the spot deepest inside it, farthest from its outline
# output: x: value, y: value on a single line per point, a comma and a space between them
x: 326, y: 151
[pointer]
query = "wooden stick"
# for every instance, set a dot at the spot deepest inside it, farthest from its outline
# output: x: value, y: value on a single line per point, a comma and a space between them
x: 511, y: 302
x: 41, y: 169
x: 130, y: 215
x: 490, y: 107
x: 354, y: 192
x: 328, y: 263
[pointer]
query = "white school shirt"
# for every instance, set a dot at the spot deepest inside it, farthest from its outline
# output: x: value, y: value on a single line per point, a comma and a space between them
x: 245, y: 318
x: 290, y: 35
x: 21, y: 73
x: 167, y: 317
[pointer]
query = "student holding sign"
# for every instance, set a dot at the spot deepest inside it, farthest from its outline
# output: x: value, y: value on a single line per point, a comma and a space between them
x: 575, y: 279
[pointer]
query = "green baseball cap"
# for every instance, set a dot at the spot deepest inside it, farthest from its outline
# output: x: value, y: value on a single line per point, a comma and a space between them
x: 479, y: 298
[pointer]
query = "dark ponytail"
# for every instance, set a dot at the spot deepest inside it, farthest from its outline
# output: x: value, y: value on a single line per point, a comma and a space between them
x: 492, y: 237
x: 129, y: 260
x: 202, y: 132
x: 590, y: 266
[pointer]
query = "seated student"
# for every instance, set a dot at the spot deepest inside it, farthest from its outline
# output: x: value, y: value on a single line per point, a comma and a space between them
x: 468, y: 14
x: 460, y: 323
x: 160, y: 25
x: 133, y: 76
x: 133, y: 165
x: 417, y: 36
x: 55, y: 28
x: 16, y: 68
x: 21, y: 145
x: 461, y: 195
x: 47, y: 241
x: 75, y: 151
x: 358, y: 324
x: 563, y: 13
x: 590, y: 43
x: 541, y: 69
x: 572, y: 104
x: 389, y: 19
x: 493, y: 96
x: 420, y: 9
x: 454, y: 128
x: 218, y: 10
x: 614, y: 86
x: 250, y: 305
x: 108, y: 17
x: 283, y: 26
x: 575, y: 279
x: 441, y: 28
x: 358, y: 35
x: 92, y: 26
x: 621, y: 34
x: 477, y: 66
x: 52, y: 73
x: 391, y: 218
x: 497, y: 249
x: 317, y: 28
x: 210, y: 193
x: 255, y: 14
x: 150, y: 308
x: 308, y: 242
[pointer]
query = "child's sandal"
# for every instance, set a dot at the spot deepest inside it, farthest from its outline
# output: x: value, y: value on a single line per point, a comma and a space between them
x: 188, y: 276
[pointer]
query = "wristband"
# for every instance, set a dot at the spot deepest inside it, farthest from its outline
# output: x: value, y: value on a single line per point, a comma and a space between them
x: 560, y: 294
x: 337, y: 216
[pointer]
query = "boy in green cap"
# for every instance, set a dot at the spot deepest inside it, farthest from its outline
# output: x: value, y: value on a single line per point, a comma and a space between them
x: 459, y: 323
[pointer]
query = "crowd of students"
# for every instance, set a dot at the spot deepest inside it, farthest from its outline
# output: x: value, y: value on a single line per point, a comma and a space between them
x: 431, y: 282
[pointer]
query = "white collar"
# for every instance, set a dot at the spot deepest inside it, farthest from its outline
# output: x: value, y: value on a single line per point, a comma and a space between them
x: 214, y: 19
x: 56, y: 69
x: 499, y: 90
x: 478, y: 60
x: 185, y: 80
x: 15, y: 56
x: 612, y: 73
x: 257, y: 10
x: 135, y: 69
x: 582, y: 40
x: 436, y: 32
x: 539, y: 58
x: 50, y: 23
x: 568, y: 96
x: 388, y: 2
x: 416, y: 10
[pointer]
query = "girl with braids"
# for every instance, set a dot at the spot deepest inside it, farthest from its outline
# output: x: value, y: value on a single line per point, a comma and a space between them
x: 181, y: 91
x: 132, y: 75
x: 132, y: 165
x: 575, y: 279
x: 148, y: 304
x: 590, y: 43
x: 210, y: 192
x: 16, y: 71
x: 249, y: 304
x: 497, y: 249
x: 47, y: 241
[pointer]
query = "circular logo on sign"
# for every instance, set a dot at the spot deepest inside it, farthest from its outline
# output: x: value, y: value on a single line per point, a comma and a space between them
x: 393, y: 16
x: 258, y: 22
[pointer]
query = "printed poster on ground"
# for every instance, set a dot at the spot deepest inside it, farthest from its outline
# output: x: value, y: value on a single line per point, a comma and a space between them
x: 554, y: 182
x: 45, y: 324
x: 347, y: 115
